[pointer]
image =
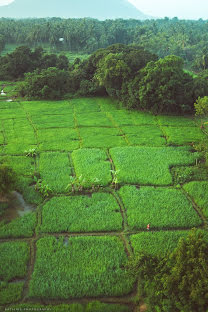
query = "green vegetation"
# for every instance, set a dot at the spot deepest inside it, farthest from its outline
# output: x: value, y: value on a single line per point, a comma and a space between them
x: 166, y: 208
x: 182, y: 135
x: 55, y: 171
x: 149, y: 165
x: 14, y: 259
x: 21, y: 227
x: 93, y: 265
x: 93, y: 306
x: 10, y: 293
x: 101, y: 212
x: 185, y: 174
x: 7, y: 179
x: 92, y: 167
x: 199, y: 192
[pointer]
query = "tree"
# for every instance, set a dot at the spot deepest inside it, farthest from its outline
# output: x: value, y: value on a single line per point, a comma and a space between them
x: 50, y: 83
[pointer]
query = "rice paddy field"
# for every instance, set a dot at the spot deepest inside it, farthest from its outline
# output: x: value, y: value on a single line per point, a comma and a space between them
x: 95, y: 176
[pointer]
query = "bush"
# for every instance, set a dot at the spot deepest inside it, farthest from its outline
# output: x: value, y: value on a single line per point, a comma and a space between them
x: 201, y: 106
x: 7, y: 179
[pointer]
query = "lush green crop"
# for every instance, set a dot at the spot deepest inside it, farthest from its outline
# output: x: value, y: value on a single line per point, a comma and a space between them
x: 58, y: 139
x: 182, y: 135
x: 26, y: 187
x: 199, y: 192
x: 101, y: 137
x: 87, y: 266
x: 93, y: 119
x: 176, y: 121
x: 53, y: 121
x: 94, y: 306
x: 92, y: 167
x: 85, y: 105
x: 13, y: 261
x: 10, y: 292
x: 185, y: 174
x: 55, y: 170
x: 159, y: 207
x: 21, y: 227
x: 48, y: 107
x: 81, y: 214
x: 126, y: 118
x: 156, y: 243
x: 149, y: 165
x: 22, y: 165
x: 144, y: 135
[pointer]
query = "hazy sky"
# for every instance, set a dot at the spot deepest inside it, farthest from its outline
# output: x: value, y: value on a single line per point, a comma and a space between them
x: 188, y: 9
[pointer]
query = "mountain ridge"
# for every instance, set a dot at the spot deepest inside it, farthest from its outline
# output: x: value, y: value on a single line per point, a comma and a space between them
x: 99, y: 9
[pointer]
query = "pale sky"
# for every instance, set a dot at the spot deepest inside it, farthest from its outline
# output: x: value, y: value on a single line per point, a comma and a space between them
x: 187, y: 9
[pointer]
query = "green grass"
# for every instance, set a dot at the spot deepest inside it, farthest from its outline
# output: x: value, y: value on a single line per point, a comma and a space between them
x: 93, y: 119
x: 88, y: 266
x: 198, y: 190
x: 165, y: 208
x: 176, y: 121
x: 36, y: 108
x: 92, y: 167
x: 10, y: 293
x: 52, y: 121
x: 21, y: 227
x: 101, y: 137
x: 94, y: 306
x: 22, y: 165
x: 13, y: 261
x: 185, y: 174
x: 25, y: 185
x: 183, y: 135
x: 156, y: 243
x: 128, y: 118
x: 85, y: 105
x: 58, y: 139
x: 144, y: 135
x: 55, y: 170
x: 101, y: 212
x: 149, y: 165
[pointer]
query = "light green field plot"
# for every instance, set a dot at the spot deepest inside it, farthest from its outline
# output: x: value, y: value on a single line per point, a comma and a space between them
x: 22, y: 165
x: 25, y: 185
x: 9, y: 105
x: 183, y: 135
x: 93, y: 119
x: 176, y: 121
x: 92, y: 167
x: 94, y: 306
x: 58, y: 139
x: 108, y: 104
x: 85, y: 105
x: 144, y: 135
x: 87, y: 266
x: 101, y: 137
x: 48, y: 107
x: 149, y: 165
x: 16, y: 147
x: 159, y: 207
x: 52, y: 121
x: 13, y: 260
x: 199, y: 192
x: 10, y: 292
x: 21, y: 227
x: 55, y: 170
x: 11, y: 113
x: 1, y: 138
x: 128, y: 118
x: 81, y: 214
x: 156, y: 243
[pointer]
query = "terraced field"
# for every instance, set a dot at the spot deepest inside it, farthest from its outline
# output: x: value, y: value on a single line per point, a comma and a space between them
x: 107, y: 173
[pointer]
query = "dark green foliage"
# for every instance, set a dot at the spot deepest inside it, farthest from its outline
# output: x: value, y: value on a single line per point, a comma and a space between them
x: 50, y: 83
x: 7, y: 179
x: 184, y: 174
x: 176, y: 282
x: 10, y: 292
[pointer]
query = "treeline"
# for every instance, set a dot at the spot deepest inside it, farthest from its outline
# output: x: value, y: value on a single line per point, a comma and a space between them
x: 134, y: 76
x: 184, y: 38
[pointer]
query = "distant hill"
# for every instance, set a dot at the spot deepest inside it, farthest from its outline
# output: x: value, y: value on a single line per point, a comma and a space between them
x: 99, y: 9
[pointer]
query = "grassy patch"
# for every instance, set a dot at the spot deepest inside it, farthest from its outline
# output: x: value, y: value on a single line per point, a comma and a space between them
x: 156, y: 243
x: 58, y: 139
x: 53, y: 121
x: 81, y: 214
x: 55, y: 170
x: 92, y: 167
x: 199, y: 192
x: 48, y: 107
x: 93, y: 119
x: 165, y: 208
x: 26, y: 187
x: 101, y: 137
x: 108, y: 104
x: 183, y: 135
x: 22, y: 165
x: 94, y: 306
x: 144, y: 135
x: 10, y: 293
x: 149, y: 165
x: 85, y: 105
x: 176, y: 121
x: 13, y: 261
x: 185, y: 174
x: 88, y: 266
x: 21, y: 227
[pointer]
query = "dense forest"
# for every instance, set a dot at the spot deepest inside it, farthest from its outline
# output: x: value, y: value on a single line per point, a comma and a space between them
x: 184, y: 38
